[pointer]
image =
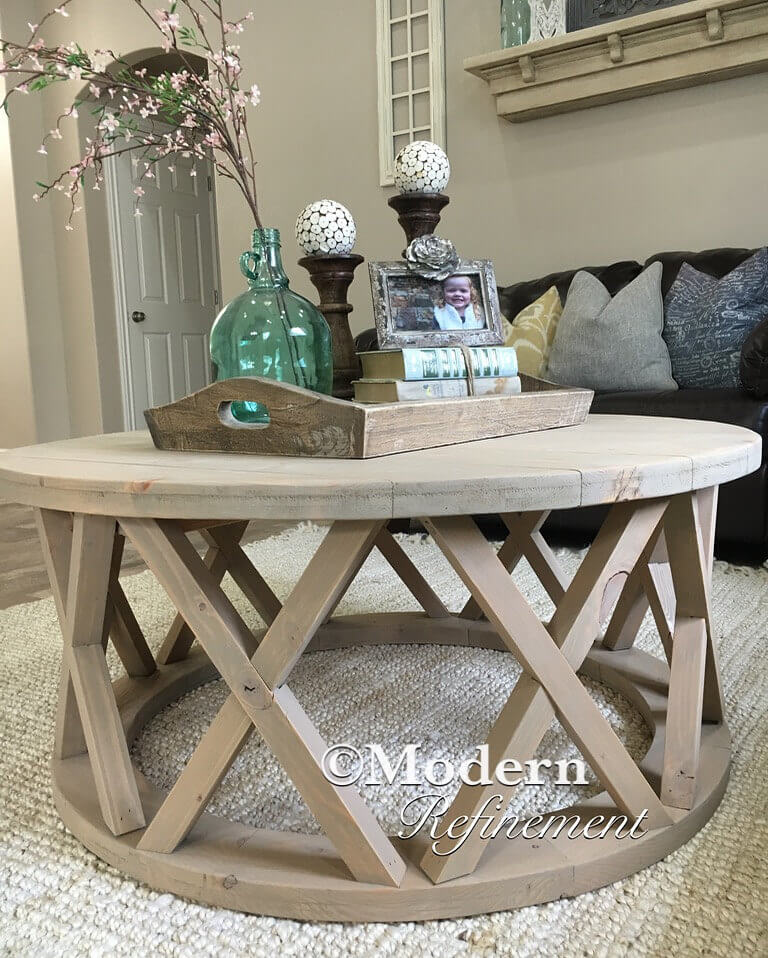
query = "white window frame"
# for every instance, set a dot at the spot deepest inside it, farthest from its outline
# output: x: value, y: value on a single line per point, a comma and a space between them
x: 436, y: 88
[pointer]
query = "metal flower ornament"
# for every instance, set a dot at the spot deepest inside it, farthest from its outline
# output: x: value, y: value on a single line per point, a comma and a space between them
x: 432, y: 257
x: 203, y: 113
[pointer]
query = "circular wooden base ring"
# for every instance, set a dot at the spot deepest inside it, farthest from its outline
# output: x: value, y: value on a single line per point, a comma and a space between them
x: 291, y: 875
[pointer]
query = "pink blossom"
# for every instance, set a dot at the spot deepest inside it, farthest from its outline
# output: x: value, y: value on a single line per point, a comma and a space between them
x: 109, y: 122
x: 36, y: 197
x: 137, y: 212
x: 139, y: 191
x: 178, y: 80
x: 42, y: 150
x: 167, y: 21
x: 69, y: 227
x: 33, y: 27
x: 95, y: 90
x: 61, y: 11
x: 255, y: 95
x: 100, y: 61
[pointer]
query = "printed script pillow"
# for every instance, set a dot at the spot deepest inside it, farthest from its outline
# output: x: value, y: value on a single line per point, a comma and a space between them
x: 707, y: 320
x: 531, y: 332
x: 612, y: 344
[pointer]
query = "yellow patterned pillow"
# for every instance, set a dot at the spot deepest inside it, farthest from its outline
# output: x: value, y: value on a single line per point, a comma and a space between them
x: 531, y: 332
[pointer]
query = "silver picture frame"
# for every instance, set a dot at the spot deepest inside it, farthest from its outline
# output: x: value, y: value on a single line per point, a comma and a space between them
x: 390, y: 283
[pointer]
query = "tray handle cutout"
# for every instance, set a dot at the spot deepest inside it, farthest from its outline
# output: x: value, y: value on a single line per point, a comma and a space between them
x: 239, y: 414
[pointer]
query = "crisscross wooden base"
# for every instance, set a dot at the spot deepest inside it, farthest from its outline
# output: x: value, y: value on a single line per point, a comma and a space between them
x: 653, y: 554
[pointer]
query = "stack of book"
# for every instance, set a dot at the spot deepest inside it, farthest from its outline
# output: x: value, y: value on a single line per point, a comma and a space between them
x: 403, y: 375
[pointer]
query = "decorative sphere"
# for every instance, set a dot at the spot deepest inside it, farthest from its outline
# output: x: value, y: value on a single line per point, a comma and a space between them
x: 325, y: 227
x: 422, y: 167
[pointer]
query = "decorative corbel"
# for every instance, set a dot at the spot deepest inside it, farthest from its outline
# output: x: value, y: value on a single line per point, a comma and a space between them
x: 527, y: 69
x: 615, y: 47
x: 714, y: 25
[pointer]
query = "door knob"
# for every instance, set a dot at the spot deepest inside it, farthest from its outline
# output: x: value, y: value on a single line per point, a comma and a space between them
x: 137, y: 316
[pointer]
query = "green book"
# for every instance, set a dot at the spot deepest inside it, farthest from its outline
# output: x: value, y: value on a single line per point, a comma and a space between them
x: 445, y: 362
x: 401, y: 390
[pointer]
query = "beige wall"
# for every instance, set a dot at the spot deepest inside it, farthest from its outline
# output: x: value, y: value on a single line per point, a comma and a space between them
x: 683, y: 170
x: 33, y: 384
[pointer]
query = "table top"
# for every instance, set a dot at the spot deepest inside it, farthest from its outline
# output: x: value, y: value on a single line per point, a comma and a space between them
x: 606, y: 459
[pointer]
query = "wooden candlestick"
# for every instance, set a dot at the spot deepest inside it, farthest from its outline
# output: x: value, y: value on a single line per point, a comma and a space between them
x: 331, y: 276
x: 418, y: 213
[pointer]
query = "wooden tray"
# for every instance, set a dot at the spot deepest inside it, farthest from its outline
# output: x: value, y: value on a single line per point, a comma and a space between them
x: 305, y: 423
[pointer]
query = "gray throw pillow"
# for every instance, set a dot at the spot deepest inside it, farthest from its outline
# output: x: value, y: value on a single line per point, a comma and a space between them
x: 707, y: 321
x: 612, y: 344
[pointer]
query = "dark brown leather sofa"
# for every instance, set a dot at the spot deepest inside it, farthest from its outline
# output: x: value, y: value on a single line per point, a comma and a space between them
x: 742, y: 520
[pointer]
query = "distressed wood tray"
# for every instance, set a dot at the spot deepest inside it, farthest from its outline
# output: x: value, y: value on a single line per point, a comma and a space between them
x: 305, y: 423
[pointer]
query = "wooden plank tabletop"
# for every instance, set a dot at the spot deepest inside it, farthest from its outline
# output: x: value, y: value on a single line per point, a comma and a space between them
x: 606, y: 459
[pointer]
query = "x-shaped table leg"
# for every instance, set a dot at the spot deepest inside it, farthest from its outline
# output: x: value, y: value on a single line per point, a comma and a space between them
x: 526, y: 541
x: 259, y: 698
x: 695, y: 691
x: 550, y: 657
x: 225, y: 554
x: 79, y: 553
x: 649, y: 585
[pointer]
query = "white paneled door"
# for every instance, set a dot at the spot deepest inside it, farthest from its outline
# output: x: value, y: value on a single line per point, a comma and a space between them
x: 166, y: 265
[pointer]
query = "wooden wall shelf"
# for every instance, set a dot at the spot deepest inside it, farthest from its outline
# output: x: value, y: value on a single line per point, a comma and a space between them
x: 696, y: 42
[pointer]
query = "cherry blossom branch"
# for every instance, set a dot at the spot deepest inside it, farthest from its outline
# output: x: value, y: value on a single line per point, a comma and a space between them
x: 207, y: 114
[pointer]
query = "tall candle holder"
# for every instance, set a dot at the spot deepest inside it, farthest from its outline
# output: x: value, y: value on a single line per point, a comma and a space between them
x: 326, y: 232
x: 331, y: 276
x: 421, y: 173
x: 418, y: 213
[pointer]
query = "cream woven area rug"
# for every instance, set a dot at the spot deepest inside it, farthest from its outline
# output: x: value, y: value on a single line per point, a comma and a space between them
x: 708, y: 898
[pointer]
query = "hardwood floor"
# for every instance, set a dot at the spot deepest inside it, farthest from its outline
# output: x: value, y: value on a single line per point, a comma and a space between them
x: 22, y: 572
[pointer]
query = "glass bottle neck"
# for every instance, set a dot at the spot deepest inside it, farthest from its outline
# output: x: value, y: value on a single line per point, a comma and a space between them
x: 269, y: 270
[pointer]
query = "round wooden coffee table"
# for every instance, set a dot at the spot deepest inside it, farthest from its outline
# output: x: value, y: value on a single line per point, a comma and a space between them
x: 653, y: 551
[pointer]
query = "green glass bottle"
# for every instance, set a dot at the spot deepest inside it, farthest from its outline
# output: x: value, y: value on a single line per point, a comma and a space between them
x: 515, y: 22
x: 270, y: 331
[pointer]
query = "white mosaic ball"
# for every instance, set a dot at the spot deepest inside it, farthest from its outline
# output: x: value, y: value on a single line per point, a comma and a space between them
x: 422, y: 167
x: 325, y: 227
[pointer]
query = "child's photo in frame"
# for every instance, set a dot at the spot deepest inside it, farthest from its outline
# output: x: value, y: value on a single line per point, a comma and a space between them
x: 412, y: 310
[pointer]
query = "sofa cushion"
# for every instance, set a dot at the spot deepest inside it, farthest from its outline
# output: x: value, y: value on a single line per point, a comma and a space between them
x: 612, y: 343
x: 532, y: 332
x: 715, y: 405
x: 713, y: 262
x: 614, y: 277
x: 742, y: 514
x: 707, y: 320
x: 753, y: 367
